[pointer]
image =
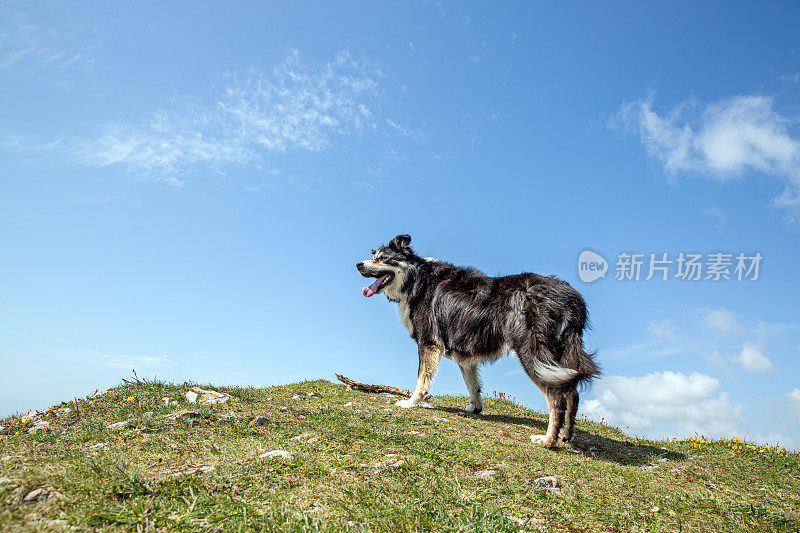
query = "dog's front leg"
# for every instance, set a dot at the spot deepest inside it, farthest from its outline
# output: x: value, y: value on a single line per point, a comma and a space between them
x: 429, y: 356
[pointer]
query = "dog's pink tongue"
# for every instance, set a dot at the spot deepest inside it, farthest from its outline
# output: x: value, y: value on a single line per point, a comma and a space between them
x: 372, y: 289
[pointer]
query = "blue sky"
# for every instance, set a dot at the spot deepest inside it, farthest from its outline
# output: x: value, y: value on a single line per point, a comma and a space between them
x: 186, y: 187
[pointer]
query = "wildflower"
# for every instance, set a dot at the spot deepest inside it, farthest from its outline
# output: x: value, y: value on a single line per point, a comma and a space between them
x: 129, y: 399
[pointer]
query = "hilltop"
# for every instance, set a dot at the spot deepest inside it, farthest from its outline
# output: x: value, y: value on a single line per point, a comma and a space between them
x: 345, y: 459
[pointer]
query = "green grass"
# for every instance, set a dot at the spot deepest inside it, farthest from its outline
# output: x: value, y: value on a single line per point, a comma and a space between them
x: 371, y: 466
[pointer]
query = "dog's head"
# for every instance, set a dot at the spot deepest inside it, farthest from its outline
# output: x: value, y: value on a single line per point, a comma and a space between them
x: 388, y: 266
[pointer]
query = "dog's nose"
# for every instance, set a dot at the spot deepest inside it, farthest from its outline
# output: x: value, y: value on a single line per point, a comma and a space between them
x: 359, y: 265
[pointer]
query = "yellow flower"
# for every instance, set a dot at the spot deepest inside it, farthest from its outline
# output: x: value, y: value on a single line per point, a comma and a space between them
x: 17, y: 433
x: 129, y: 399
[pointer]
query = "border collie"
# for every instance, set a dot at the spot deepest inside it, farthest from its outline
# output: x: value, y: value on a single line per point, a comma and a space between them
x: 471, y: 318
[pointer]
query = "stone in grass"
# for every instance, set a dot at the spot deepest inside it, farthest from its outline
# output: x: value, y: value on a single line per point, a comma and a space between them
x: 485, y: 474
x: 39, y: 426
x: 206, y: 396
x: 547, y: 483
x: 40, y: 495
x: 295, y: 397
x: 117, y: 426
x: 259, y: 421
x: 276, y: 453
x: 302, y: 436
x: 529, y: 522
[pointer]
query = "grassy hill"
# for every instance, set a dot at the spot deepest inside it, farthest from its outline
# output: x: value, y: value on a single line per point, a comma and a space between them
x: 359, y: 462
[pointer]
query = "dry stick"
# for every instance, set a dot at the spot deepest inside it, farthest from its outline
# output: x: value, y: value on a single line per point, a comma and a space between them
x: 373, y: 388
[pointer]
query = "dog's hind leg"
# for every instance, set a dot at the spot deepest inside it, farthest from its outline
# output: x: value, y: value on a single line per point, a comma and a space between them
x: 571, y: 401
x: 556, y: 406
x: 473, y: 383
x: 428, y: 365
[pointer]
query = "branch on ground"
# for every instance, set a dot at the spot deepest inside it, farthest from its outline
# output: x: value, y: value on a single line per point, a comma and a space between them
x: 373, y: 388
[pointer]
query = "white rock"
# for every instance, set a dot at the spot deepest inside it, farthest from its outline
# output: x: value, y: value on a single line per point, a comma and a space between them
x: 39, y: 426
x: 485, y: 474
x: 295, y: 397
x: 206, y: 396
x: 99, y: 445
x: 40, y: 495
x: 277, y: 453
x: 165, y: 400
x: 117, y: 425
x: 348, y: 404
x: 310, y: 394
x: 530, y: 522
x: 547, y: 483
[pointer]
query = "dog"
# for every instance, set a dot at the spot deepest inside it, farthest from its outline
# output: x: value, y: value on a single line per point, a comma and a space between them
x: 471, y: 318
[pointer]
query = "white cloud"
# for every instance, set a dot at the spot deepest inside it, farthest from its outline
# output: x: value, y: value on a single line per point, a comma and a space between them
x: 296, y: 106
x: 664, y: 329
x: 664, y: 404
x: 721, y: 322
x: 721, y: 140
x: 752, y: 359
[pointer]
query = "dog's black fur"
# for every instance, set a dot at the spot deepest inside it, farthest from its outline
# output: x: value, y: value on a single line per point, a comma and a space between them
x: 465, y: 315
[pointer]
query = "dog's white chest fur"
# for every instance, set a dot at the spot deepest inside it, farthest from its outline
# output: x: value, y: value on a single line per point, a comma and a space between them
x: 405, y: 315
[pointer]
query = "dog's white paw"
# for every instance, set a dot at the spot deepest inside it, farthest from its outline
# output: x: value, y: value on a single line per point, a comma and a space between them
x: 405, y: 404
x: 542, y: 440
x: 474, y: 409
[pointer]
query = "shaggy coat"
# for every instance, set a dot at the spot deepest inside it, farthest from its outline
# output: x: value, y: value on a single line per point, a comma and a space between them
x: 471, y: 318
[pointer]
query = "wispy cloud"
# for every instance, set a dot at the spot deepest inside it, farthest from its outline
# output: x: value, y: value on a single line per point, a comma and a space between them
x: 295, y: 106
x: 25, y: 43
x: 123, y: 361
x: 721, y: 140
x: 716, y: 335
x: 717, y: 214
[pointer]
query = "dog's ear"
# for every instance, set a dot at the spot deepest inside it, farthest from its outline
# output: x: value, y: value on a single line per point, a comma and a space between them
x: 401, y: 243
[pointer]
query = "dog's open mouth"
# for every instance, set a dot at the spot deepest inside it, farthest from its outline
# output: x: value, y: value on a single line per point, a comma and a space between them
x: 381, y: 281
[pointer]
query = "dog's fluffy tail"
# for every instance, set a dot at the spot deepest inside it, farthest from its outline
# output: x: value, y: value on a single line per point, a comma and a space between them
x: 576, y: 358
x: 574, y: 367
